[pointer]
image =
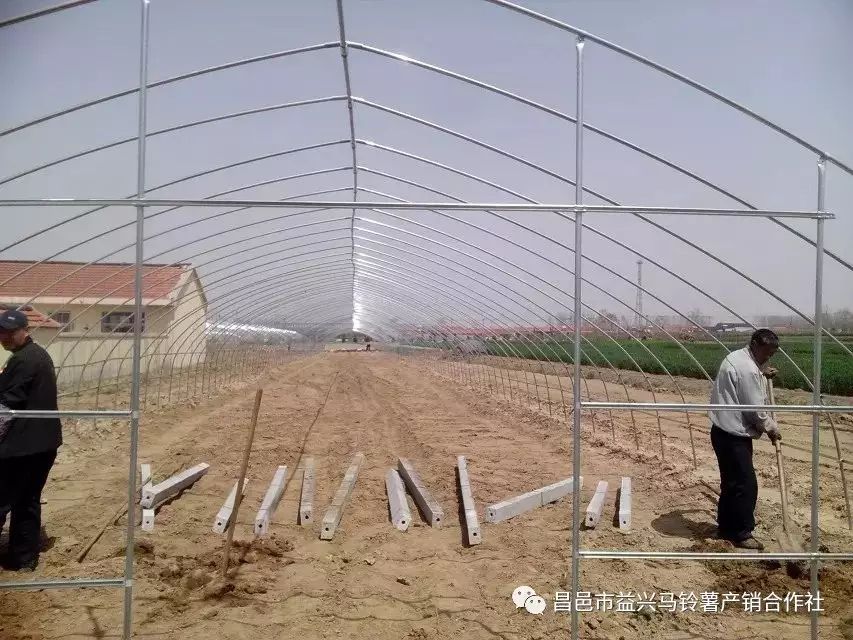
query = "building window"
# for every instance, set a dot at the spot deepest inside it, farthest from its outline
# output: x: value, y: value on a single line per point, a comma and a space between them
x: 63, y: 318
x: 119, y: 322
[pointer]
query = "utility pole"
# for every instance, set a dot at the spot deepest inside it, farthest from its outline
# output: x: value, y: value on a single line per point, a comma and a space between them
x: 639, y: 304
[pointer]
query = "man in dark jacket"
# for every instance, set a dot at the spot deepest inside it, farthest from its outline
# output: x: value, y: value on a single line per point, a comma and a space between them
x: 28, y: 448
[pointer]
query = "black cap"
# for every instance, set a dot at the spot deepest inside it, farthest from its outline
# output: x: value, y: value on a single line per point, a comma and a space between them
x: 13, y: 319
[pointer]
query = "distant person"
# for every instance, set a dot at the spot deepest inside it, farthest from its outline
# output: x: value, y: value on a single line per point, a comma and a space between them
x: 368, y: 347
x: 28, y: 446
x: 740, y: 381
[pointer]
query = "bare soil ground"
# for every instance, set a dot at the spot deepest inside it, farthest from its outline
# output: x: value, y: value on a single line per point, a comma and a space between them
x: 372, y: 581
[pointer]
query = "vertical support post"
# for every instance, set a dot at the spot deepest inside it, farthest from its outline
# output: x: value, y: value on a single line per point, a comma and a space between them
x: 345, y: 61
x: 137, y: 328
x: 816, y: 398
x: 576, y: 383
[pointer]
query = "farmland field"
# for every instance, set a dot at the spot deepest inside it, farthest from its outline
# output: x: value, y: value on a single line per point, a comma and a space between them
x: 660, y: 356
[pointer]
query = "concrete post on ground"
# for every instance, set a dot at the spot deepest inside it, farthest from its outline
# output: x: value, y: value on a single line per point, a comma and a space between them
x: 147, y: 517
x: 472, y: 524
x: 401, y: 515
x: 333, y: 515
x: 153, y: 495
x: 430, y: 509
x: 512, y: 507
x: 625, y: 504
x: 270, y: 502
x: 596, y: 505
x: 226, y: 513
x: 306, y: 500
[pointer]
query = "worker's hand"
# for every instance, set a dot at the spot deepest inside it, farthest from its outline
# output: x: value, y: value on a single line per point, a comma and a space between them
x: 773, y: 432
x: 770, y: 372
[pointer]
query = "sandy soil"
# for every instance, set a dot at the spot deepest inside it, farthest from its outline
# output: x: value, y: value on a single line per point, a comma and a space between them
x: 372, y: 581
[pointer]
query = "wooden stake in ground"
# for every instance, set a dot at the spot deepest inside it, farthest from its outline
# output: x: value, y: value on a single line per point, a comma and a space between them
x: 240, y: 477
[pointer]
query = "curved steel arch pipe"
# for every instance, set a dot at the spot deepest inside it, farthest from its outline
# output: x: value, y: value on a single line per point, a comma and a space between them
x: 130, y: 267
x: 466, y: 292
x: 240, y: 275
x: 208, y: 330
x: 690, y: 355
x: 228, y: 280
x: 598, y: 351
x: 172, y: 129
x: 503, y: 152
x: 590, y: 322
x: 159, y: 336
x: 586, y: 226
x: 300, y: 284
x: 119, y: 306
x: 330, y: 274
x: 246, y: 292
x: 557, y: 243
x: 43, y: 12
x: 206, y: 172
x: 515, y: 293
x: 154, y: 343
x: 462, y: 290
x: 502, y: 376
x: 672, y: 74
x: 605, y: 236
x: 173, y: 79
x: 181, y: 226
x: 638, y: 215
x: 214, y: 260
x: 512, y: 264
x: 544, y: 258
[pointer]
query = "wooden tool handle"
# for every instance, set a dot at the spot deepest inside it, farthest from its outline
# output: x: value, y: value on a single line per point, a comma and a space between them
x: 782, y: 485
x: 780, y: 464
x: 240, y: 478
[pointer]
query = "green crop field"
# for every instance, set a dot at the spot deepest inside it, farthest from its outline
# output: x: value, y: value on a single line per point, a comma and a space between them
x: 653, y: 355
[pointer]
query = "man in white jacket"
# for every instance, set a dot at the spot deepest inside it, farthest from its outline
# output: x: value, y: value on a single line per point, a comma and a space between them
x: 740, y: 381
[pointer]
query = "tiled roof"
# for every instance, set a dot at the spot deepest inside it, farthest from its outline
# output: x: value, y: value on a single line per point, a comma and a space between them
x: 35, y: 318
x: 70, y: 279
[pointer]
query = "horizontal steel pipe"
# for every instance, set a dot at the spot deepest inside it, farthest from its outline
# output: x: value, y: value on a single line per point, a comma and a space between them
x: 65, y: 414
x: 463, y: 206
x: 709, y: 555
x: 666, y: 406
x: 36, y: 585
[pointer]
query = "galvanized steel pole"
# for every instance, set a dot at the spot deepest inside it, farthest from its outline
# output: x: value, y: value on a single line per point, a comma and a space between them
x: 137, y: 328
x: 577, y: 320
x: 816, y: 398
